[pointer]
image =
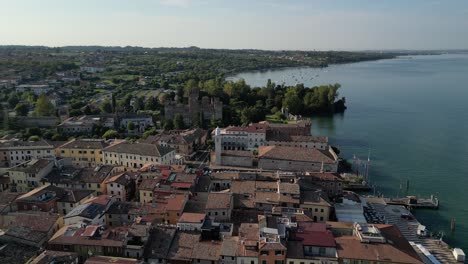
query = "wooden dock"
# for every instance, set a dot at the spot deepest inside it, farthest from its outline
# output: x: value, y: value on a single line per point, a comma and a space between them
x: 412, y: 202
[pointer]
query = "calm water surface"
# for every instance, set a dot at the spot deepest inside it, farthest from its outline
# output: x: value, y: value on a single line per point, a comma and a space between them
x: 413, y: 115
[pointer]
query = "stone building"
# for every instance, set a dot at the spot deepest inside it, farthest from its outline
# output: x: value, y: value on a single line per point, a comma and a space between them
x: 207, y: 107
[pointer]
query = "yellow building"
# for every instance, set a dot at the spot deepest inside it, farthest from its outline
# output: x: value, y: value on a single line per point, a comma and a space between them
x: 146, y: 190
x: 318, y: 207
x: 84, y: 152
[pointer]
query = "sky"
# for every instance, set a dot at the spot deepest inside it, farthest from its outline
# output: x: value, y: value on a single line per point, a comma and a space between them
x: 238, y: 24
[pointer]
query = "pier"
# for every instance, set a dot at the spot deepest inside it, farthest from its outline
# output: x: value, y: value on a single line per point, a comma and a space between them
x: 411, y: 202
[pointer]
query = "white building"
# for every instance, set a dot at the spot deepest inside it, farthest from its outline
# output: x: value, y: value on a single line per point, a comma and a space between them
x: 37, y: 89
x: 141, y: 122
x: 16, y: 152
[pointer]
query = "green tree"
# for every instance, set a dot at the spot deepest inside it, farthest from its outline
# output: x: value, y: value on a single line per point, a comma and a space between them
x: 21, y: 109
x: 152, y: 104
x: 44, y: 107
x: 179, y: 122
x: 13, y: 100
x: 110, y: 134
x: 139, y: 103
x: 191, y: 84
x: 106, y: 107
x: 114, y: 103
x: 164, y: 84
x: 168, y: 124
x: 34, y: 138
x: 130, y: 126
x: 292, y: 101
x: 150, y: 132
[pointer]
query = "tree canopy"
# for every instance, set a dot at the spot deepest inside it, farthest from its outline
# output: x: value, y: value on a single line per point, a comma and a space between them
x: 44, y: 107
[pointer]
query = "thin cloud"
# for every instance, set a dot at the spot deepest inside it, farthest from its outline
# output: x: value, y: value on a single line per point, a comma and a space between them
x: 176, y: 3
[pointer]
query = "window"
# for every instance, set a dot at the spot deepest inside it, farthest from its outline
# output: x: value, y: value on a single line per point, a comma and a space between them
x: 322, y: 251
x: 264, y: 253
x: 321, y: 210
x: 278, y: 252
x: 264, y: 262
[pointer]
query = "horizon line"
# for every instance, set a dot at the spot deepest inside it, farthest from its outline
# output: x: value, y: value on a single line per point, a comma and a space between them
x: 239, y: 49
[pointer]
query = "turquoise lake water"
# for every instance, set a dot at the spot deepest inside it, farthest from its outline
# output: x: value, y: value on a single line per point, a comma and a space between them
x: 412, y: 113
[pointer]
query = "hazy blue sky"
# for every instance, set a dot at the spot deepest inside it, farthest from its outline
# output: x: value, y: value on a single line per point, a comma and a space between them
x: 260, y: 24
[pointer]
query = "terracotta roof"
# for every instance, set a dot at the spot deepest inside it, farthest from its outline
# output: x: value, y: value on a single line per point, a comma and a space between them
x: 294, y: 154
x: 272, y: 246
x: 85, y: 144
x: 148, y: 184
x: 32, y: 166
x: 191, y: 218
x: 176, y: 203
x: 110, y: 260
x: 181, y: 185
x: 159, y: 242
x: 219, y: 201
x: 290, y: 188
x: 224, y: 175
x: 248, y: 231
x: 94, y: 175
x: 248, y: 237
x: 139, y: 149
x: 71, y: 235
x: 90, y: 230
x: 49, y: 256
x: 229, y: 246
x: 314, y: 234
x: 30, y: 220
x: 73, y: 196
x: 243, y: 187
x: 182, y: 246
x: 396, y: 250
x: 252, y: 128
x: 43, y: 194
x: 123, y: 178
x: 207, y: 250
